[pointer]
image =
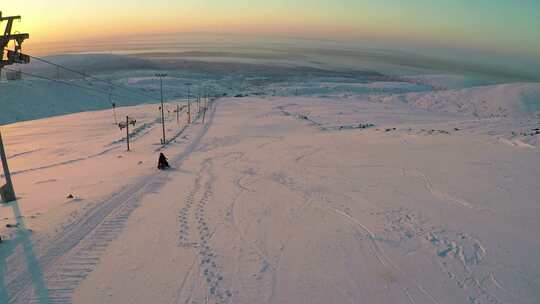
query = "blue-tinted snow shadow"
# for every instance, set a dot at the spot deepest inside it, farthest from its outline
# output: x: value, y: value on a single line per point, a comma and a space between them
x: 22, y: 238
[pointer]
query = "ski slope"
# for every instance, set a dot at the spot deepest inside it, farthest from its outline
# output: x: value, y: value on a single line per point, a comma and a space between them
x: 275, y: 200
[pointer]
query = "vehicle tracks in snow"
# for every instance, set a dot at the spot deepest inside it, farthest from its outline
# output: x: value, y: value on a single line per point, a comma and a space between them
x: 83, y: 259
x: 69, y: 258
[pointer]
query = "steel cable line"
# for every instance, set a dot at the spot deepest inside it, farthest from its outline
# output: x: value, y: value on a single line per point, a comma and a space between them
x: 69, y: 84
x: 91, y: 77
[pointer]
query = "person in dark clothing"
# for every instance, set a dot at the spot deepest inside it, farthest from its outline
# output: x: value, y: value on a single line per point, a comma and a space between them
x: 162, y: 162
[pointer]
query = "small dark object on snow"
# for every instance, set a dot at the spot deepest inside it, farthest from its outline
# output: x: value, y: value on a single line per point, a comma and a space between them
x: 162, y: 162
x: 70, y: 196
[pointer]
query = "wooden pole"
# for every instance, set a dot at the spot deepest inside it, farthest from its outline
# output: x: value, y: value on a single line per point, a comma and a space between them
x: 177, y: 114
x: 127, y: 132
x: 6, y: 192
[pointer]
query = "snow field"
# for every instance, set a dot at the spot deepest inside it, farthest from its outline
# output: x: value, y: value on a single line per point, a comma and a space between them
x: 280, y: 200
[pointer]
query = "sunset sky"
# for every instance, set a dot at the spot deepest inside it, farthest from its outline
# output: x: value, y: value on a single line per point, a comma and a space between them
x: 500, y: 25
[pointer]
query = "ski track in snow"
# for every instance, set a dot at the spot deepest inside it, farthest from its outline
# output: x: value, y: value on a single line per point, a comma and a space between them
x: 308, y: 154
x: 443, y: 196
x: 15, y: 155
x: 231, y: 214
x: 177, y: 134
x: 136, y: 134
x: 382, y: 258
x: 67, y: 162
x: 357, y: 224
x: 72, y: 255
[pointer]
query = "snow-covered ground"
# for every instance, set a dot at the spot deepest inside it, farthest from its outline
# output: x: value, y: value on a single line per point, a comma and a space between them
x: 128, y: 78
x: 343, y: 197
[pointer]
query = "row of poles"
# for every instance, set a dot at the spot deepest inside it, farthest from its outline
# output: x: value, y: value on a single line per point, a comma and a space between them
x: 131, y: 121
x: 16, y: 57
x: 178, y: 109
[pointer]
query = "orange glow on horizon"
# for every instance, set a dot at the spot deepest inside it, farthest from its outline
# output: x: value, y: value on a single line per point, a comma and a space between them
x: 55, y: 21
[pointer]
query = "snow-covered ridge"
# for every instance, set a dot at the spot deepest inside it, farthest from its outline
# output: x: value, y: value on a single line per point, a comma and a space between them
x: 504, y: 100
x: 37, y: 98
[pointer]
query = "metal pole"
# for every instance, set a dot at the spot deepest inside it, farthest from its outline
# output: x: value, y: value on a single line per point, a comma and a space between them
x: 6, y: 191
x: 189, y: 112
x: 163, y: 140
x: 113, y: 106
x: 204, y: 114
x: 127, y: 132
x: 162, y: 110
x: 114, y: 113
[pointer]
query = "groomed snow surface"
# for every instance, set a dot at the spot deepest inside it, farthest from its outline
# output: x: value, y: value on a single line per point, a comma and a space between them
x: 413, y: 198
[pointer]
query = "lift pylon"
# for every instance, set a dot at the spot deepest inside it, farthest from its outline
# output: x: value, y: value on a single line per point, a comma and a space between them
x: 8, y: 57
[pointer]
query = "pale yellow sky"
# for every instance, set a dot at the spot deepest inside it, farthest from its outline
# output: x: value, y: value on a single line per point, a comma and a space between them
x: 496, y: 24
